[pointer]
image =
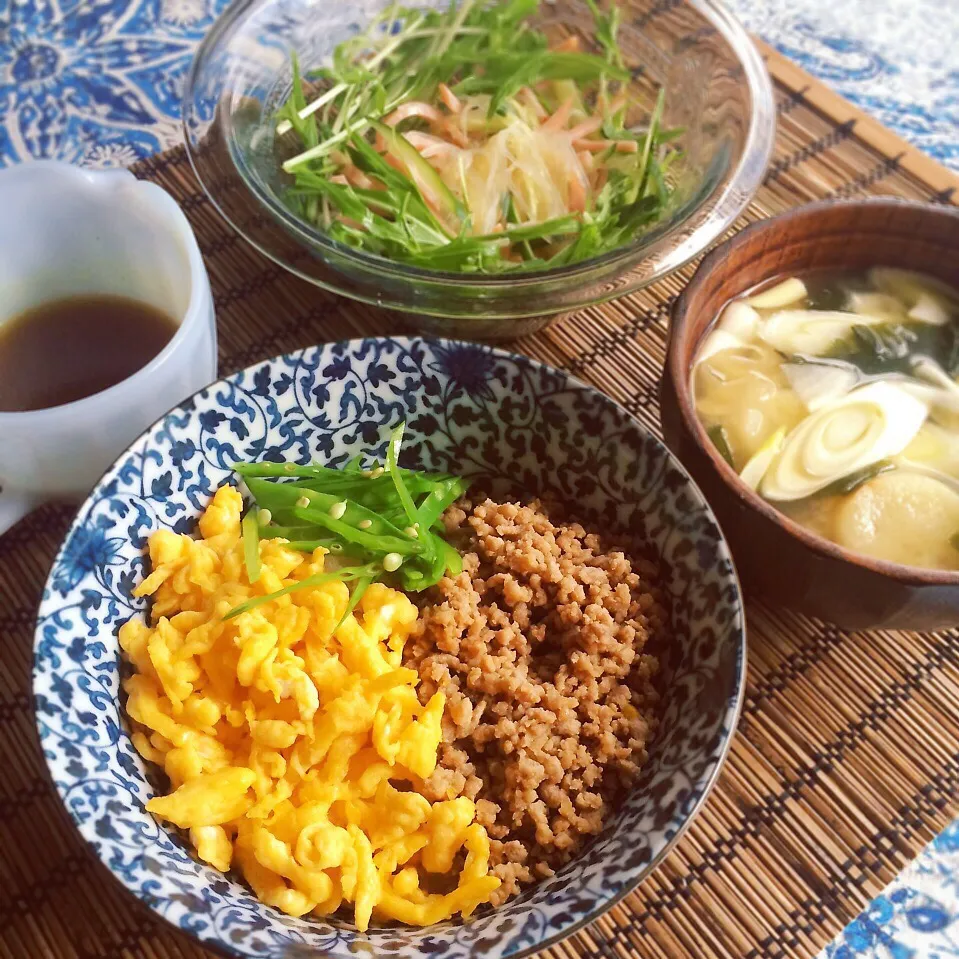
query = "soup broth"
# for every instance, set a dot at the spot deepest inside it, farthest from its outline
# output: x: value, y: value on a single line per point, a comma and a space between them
x: 836, y: 397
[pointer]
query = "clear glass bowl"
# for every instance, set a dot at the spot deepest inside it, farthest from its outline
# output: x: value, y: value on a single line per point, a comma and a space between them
x: 717, y: 89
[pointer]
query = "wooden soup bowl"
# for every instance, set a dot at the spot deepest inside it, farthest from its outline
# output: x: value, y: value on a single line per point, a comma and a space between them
x: 776, y: 557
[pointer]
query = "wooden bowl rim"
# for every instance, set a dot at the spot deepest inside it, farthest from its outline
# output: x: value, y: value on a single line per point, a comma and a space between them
x: 908, y: 575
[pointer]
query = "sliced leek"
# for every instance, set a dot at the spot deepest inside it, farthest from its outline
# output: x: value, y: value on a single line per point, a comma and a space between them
x: 881, y: 306
x: 930, y: 371
x: 717, y: 341
x: 811, y: 332
x: 782, y: 294
x: 739, y: 319
x: 930, y: 309
x: 753, y: 472
x: 869, y: 424
x: 935, y: 450
x: 937, y: 391
x: 818, y: 384
x: 927, y: 300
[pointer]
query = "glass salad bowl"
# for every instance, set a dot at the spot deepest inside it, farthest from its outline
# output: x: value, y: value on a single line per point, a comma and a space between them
x: 716, y: 90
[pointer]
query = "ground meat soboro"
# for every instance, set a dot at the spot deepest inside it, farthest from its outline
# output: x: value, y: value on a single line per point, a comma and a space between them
x: 538, y: 646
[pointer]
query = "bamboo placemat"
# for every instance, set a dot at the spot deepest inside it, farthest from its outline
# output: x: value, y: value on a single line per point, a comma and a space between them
x: 847, y: 758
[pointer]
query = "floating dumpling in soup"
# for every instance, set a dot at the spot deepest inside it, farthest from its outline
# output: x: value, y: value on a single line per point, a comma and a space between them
x: 836, y: 397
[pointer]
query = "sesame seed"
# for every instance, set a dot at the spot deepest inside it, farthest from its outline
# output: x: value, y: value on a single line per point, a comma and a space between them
x: 411, y: 532
x: 365, y: 523
x: 338, y: 509
x: 392, y: 562
x: 366, y: 473
x: 377, y: 473
x: 289, y: 467
x: 303, y: 502
x: 264, y: 517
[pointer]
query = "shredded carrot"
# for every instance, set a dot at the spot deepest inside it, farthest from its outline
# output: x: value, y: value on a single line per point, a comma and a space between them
x: 598, y: 146
x: 428, y: 145
x: 455, y: 132
x: 358, y: 178
x: 569, y: 45
x: 450, y: 99
x: 577, y: 193
x: 585, y: 129
x: 531, y: 100
x: 414, y: 108
x: 560, y: 118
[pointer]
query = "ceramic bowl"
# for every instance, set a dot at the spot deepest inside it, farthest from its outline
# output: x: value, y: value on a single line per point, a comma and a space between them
x: 775, y: 556
x: 469, y: 409
x: 717, y: 91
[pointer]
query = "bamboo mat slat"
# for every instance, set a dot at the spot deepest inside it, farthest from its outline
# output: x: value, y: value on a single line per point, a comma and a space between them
x: 846, y: 762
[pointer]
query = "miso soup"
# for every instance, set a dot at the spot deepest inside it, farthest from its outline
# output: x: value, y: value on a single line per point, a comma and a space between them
x: 836, y: 397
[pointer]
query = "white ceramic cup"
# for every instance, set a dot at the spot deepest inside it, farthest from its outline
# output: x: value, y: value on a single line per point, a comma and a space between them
x: 65, y: 231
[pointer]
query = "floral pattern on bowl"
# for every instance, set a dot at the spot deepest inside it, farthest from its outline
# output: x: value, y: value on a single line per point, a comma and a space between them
x: 469, y: 409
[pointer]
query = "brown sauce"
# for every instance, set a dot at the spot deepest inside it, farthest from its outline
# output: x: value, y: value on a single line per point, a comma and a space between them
x: 67, y: 349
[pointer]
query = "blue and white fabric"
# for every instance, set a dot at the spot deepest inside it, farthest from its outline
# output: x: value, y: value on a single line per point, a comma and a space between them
x: 99, y: 82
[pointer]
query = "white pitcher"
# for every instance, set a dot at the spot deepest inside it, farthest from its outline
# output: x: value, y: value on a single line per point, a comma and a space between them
x: 65, y: 232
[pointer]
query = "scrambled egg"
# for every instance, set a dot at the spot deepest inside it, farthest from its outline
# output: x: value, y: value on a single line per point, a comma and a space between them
x: 294, y: 753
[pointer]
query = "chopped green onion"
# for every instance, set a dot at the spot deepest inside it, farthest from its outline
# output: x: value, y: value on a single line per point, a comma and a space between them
x: 362, y: 584
x: 454, y: 561
x: 392, y: 457
x: 250, y: 528
x: 719, y: 439
x: 319, y: 579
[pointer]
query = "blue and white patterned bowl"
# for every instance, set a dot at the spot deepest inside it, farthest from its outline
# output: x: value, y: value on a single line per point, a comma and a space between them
x: 471, y: 410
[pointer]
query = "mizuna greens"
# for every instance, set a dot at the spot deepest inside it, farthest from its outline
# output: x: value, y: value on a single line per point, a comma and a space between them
x: 383, y: 521
x: 464, y: 141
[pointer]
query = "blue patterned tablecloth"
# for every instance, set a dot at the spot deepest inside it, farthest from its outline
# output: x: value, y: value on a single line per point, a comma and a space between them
x: 99, y: 82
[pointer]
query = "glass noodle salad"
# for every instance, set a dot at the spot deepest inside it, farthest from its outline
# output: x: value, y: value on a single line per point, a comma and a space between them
x: 466, y: 140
